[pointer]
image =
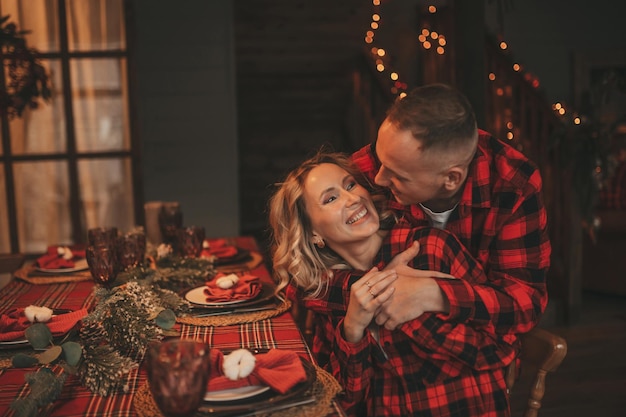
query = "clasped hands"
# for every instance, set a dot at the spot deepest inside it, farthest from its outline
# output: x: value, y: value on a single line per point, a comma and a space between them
x: 393, y: 296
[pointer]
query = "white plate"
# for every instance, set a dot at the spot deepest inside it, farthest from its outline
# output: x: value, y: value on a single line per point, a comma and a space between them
x: 14, y: 344
x: 236, y: 394
x: 79, y: 265
x: 197, y: 296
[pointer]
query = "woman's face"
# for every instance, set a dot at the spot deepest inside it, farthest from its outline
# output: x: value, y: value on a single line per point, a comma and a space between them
x: 341, y: 210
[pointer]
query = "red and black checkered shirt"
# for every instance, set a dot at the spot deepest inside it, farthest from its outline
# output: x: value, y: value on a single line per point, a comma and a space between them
x: 432, y: 365
x: 502, y: 221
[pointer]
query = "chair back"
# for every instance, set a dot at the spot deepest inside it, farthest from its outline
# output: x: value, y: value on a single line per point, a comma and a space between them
x: 543, y: 352
x: 11, y: 262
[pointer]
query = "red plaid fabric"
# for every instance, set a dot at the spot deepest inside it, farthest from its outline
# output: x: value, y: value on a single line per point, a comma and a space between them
x: 502, y: 221
x: 433, y: 365
x: 76, y: 401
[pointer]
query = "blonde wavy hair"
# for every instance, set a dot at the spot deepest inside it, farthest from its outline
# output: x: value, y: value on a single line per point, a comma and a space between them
x: 294, y: 256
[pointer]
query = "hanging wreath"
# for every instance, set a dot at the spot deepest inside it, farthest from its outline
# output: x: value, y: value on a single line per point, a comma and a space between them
x: 26, y: 81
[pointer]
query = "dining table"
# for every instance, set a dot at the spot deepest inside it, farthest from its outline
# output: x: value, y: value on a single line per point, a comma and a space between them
x: 257, y: 331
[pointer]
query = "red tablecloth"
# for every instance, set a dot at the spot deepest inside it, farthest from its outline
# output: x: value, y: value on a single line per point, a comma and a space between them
x: 279, y: 332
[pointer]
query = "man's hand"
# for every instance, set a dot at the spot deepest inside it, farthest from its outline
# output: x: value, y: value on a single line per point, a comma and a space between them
x: 416, y: 292
x: 412, y: 298
x: 400, y: 261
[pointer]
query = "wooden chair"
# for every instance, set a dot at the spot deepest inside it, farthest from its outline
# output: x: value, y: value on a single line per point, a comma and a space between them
x: 11, y: 262
x: 542, y: 352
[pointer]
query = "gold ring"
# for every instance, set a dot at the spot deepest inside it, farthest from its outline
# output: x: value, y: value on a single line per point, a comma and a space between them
x: 371, y: 293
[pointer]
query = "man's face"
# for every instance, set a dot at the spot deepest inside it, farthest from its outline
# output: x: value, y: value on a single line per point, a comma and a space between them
x: 405, y: 169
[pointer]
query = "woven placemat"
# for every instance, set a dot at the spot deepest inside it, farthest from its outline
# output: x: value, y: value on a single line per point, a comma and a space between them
x: 236, y: 318
x: 324, y: 389
x: 30, y: 275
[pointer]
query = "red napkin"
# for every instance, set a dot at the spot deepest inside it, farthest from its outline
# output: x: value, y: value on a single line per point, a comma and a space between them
x: 278, y: 369
x: 53, y: 260
x: 13, y: 323
x: 219, y: 248
x: 248, y: 287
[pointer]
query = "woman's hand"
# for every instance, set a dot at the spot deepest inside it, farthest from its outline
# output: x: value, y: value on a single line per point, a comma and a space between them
x: 366, y: 296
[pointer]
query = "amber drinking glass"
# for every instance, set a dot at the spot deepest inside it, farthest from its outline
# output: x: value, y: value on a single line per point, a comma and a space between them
x: 103, y: 264
x: 131, y: 250
x: 189, y: 241
x: 102, y: 236
x: 178, y: 371
x: 170, y: 220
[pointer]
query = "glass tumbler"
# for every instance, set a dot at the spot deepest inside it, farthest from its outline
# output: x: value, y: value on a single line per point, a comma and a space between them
x: 178, y: 371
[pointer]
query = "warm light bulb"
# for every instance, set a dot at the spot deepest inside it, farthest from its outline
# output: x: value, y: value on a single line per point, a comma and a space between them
x: 426, y: 45
x: 421, y: 38
x: 509, y: 125
x: 440, y: 50
x: 499, y: 92
x: 376, y: 2
x: 402, y: 94
x: 380, y: 52
x: 380, y: 67
x: 369, y: 39
x: 375, y: 17
x: 509, y: 135
x: 374, y: 25
x: 492, y: 76
x: 442, y: 41
x: 561, y: 111
x: 557, y: 106
x: 516, y: 67
x: 503, y: 45
x: 370, y: 33
x: 432, y: 9
x: 577, y: 120
x: 394, y: 76
x: 434, y: 35
x: 425, y: 32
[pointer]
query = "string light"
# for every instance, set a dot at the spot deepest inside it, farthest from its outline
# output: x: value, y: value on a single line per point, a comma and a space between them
x: 382, y: 60
x: 432, y: 40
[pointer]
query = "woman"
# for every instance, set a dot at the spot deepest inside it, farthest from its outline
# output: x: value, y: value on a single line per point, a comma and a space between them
x: 325, y: 223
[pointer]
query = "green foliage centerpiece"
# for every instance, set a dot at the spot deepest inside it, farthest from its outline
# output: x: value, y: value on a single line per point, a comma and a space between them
x: 140, y: 308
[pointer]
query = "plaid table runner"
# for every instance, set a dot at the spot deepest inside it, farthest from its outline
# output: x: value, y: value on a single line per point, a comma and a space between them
x: 76, y: 401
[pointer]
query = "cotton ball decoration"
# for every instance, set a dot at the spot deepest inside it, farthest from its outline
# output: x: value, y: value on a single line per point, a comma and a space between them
x: 36, y: 314
x: 227, y: 281
x: 238, y: 364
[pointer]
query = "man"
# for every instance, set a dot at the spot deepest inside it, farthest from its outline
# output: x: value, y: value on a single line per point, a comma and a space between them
x: 439, y: 167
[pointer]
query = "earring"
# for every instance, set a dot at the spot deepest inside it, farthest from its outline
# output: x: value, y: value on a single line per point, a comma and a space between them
x: 319, y: 242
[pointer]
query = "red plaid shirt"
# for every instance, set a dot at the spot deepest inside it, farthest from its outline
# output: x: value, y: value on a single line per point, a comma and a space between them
x: 432, y: 365
x: 502, y: 221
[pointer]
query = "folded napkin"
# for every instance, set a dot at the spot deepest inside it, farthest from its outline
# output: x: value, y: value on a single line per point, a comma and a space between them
x: 218, y: 248
x: 248, y: 287
x: 278, y: 369
x: 14, y: 322
x: 56, y: 257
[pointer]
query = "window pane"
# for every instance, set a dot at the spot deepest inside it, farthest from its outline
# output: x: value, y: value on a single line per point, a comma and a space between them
x: 5, y: 242
x: 40, y: 17
x: 42, y: 196
x: 42, y: 130
x: 95, y: 25
x: 106, y: 190
x: 100, y: 104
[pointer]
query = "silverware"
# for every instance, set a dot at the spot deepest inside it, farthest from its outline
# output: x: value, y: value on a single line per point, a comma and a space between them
x: 270, y: 409
x: 236, y: 310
